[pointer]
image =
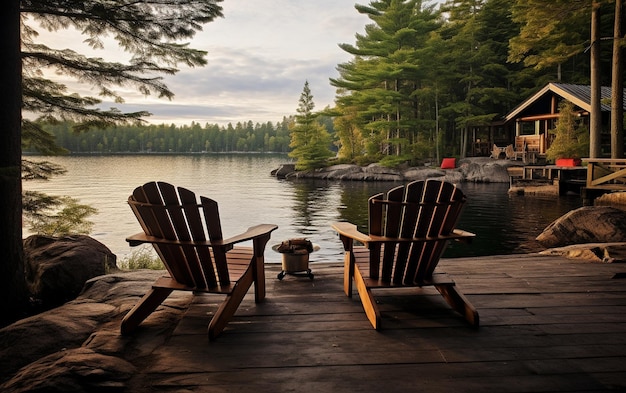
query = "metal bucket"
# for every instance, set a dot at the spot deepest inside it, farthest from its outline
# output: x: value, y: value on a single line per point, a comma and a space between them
x: 295, y: 262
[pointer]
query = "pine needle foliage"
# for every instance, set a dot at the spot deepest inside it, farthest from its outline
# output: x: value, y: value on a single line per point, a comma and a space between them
x: 310, y: 140
x: 571, y: 136
x: 149, y: 32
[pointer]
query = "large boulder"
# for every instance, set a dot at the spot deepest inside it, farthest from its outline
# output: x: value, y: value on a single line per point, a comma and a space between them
x: 58, y: 267
x: 589, y: 224
x: 485, y: 171
x: 282, y: 171
x: 74, y: 371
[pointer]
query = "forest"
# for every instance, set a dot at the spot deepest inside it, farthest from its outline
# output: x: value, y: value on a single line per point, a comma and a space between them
x: 163, y: 138
x: 420, y: 77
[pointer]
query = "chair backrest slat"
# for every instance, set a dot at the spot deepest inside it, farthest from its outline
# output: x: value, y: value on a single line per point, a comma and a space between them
x: 158, y: 224
x: 174, y: 214
x: 426, y: 210
x: 439, y: 195
x: 196, y: 231
x: 393, y: 224
x: 375, y: 224
x: 174, y: 207
x: 212, y: 219
x: 412, y: 198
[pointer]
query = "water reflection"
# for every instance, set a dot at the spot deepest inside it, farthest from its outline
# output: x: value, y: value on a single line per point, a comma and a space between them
x: 354, y: 196
x: 311, y: 200
x: 248, y: 195
x: 504, y: 223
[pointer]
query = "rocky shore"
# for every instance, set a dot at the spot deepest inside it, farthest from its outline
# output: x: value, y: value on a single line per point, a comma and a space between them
x: 475, y: 169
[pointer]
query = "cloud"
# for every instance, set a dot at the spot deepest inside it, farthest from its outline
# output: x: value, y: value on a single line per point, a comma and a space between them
x: 259, y: 56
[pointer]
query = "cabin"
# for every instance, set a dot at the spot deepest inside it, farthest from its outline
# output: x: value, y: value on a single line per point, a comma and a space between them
x: 530, y: 121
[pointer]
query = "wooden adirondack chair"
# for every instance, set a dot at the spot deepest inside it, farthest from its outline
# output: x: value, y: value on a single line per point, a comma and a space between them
x: 187, y: 236
x: 409, y: 228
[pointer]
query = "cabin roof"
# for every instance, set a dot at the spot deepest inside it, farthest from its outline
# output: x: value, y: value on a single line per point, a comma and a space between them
x: 579, y: 95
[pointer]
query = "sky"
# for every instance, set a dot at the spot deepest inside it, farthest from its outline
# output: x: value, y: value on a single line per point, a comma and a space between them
x: 259, y: 57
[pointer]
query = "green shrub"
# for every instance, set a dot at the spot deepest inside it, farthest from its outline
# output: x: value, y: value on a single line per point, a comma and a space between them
x: 142, y: 258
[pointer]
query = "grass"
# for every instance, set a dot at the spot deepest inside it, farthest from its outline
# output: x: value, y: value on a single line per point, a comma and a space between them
x: 142, y: 258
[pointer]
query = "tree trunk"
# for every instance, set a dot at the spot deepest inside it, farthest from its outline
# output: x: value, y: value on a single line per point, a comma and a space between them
x: 595, y: 123
x: 12, y: 282
x: 617, y: 89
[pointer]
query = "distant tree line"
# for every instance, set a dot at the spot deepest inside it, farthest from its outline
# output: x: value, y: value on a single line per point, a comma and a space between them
x: 164, y: 138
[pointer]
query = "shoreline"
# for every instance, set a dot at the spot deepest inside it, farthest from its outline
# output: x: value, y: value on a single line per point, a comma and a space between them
x: 474, y: 169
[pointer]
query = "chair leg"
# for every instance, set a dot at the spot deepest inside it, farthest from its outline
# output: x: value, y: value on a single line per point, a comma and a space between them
x: 348, y: 273
x: 148, y: 303
x: 259, y: 279
x: 459, y: 302
x: 258, y: 251
x: 367, y: 299
x: 229, y: 306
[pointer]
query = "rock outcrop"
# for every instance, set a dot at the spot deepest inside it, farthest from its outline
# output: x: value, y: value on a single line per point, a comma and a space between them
x: 595, y: 252
x: 77, y: 347
x: 589, y: 224
x: 478, y: 170
x: 611, y: 199
x: 57, y: 268
x: 74, y: 370
x: 593, y: 233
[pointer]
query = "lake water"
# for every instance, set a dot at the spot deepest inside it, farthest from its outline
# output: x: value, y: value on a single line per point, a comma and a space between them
x: 248, y: 195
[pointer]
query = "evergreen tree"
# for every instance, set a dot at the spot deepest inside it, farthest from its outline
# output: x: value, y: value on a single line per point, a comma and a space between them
x: 571, y: 136
x: 552, y: 34
x: 380, y: 84
x: 149, y: 31
x: 310, y: 140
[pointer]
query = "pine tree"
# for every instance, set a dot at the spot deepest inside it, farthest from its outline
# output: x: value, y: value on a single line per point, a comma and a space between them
x: 552, y: 33
x: 571, y: 136
x: 310, y: 140
x: 379, y: 85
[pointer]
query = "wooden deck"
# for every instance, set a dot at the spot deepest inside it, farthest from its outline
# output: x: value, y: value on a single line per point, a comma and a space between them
x: 548, y: 324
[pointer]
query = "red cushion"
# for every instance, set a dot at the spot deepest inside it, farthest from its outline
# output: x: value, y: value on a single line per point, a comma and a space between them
x: 448, y: 163
x: 568, y: 162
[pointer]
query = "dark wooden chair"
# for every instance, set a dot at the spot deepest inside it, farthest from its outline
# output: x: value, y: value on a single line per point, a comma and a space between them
x: 187, y: 236
x: 409, y: 228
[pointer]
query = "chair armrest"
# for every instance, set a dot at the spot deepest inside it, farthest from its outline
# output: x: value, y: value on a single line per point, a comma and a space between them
x: 251, y: 233
x: 463, y: 236
x: 350, y: 230
x: 457, y: 234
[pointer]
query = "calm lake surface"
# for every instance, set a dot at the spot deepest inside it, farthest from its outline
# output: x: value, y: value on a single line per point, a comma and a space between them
x: 248, y: 195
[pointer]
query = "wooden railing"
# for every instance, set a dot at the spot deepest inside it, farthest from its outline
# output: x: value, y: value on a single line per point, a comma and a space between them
x: 606, y: 173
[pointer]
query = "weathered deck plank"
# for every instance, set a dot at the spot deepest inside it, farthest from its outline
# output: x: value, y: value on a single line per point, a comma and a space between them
x: 548, y: 324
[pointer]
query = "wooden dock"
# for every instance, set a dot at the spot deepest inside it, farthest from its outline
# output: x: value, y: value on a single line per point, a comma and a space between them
x: 548, y: 179
x: 548, y: 324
